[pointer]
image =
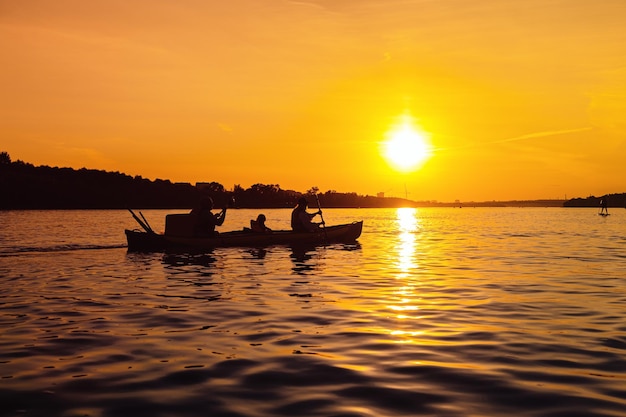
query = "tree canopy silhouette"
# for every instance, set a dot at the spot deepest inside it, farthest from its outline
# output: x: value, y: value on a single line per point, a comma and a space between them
x: 25, y: 186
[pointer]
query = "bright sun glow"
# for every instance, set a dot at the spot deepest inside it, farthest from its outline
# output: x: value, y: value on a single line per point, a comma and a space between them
x: 406, y: 147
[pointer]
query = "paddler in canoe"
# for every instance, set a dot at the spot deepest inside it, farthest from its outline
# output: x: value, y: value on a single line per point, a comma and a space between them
x: 301, y: 219
x: 205, y: 219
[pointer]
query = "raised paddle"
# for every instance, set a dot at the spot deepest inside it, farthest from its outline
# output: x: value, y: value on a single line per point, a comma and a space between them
x: 322, y: 217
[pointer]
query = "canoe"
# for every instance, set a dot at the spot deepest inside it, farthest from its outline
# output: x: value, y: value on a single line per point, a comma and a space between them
x: 148, y: 241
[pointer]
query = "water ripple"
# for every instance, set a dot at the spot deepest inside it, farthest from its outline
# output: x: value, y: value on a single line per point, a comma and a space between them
x: 453, y: 313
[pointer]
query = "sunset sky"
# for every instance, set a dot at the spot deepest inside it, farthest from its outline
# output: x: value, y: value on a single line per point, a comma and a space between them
x: 517, y: 99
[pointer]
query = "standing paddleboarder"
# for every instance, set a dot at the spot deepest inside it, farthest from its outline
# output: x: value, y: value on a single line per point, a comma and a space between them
x: 604, y: 204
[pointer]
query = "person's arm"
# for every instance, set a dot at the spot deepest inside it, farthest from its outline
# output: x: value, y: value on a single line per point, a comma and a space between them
x: 305, y: 220
x: 307, y: 223
x: 220, y: 217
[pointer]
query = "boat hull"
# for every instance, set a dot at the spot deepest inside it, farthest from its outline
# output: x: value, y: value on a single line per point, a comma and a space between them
x: 152, y: 242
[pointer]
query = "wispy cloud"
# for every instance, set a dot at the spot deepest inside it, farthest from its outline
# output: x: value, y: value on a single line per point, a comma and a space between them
x: 528, y: 136
x: 543, y: 134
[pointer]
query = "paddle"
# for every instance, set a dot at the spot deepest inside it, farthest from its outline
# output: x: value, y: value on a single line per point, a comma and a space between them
x: 230, y: 203
x: 321, y: 216
x: 146, y: 222
x: 141, y: 223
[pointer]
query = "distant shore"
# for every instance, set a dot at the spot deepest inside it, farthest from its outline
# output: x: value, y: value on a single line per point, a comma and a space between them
x: 24, y: 186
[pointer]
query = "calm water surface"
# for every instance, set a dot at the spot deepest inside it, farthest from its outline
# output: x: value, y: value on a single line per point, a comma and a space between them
x: 435, y: 312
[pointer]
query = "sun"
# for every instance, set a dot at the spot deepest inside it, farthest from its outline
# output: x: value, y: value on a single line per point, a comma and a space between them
x: 406, y: 147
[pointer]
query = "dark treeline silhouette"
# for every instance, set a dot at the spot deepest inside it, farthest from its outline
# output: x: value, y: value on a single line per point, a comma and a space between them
x: 25, y: 186
x: 613, y: 200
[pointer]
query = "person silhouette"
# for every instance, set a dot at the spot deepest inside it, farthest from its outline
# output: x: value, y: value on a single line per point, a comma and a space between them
x: 301, y: 219
x: 604, y: 204
x: 258, y: 225
x: 205, y: 219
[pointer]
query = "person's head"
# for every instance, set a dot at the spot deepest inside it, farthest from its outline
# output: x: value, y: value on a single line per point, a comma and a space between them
x: 261, y: 218
x: 302, y: 202
x: 206, y: 203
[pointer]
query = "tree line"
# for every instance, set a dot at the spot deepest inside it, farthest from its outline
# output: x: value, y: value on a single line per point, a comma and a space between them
x: 613, y: 200
x: 25, y: 186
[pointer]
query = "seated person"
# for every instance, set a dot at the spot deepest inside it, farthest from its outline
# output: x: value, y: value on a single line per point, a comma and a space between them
x: 205, y: 219
x: 301, y: 219
x: 258, y: 225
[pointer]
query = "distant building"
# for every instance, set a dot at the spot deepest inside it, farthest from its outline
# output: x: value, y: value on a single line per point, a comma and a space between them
x: 380, y: 195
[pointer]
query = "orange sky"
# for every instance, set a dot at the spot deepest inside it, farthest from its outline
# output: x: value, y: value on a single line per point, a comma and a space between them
x: 521, y: 99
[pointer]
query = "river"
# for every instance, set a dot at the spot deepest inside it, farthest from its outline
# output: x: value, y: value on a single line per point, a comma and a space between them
x: 433, y: 312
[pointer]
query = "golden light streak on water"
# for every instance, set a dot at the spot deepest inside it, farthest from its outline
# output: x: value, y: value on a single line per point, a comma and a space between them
x: 446, y: 312
x: 407, y: 226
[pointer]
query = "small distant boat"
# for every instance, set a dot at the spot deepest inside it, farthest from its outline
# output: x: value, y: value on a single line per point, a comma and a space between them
x: 178, y: 236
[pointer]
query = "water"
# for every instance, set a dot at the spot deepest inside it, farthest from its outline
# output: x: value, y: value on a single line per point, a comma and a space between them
x: 435, y: 312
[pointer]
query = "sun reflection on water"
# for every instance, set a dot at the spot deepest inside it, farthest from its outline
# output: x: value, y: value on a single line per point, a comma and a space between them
x: 404, y: 301
x: 407, y: 226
